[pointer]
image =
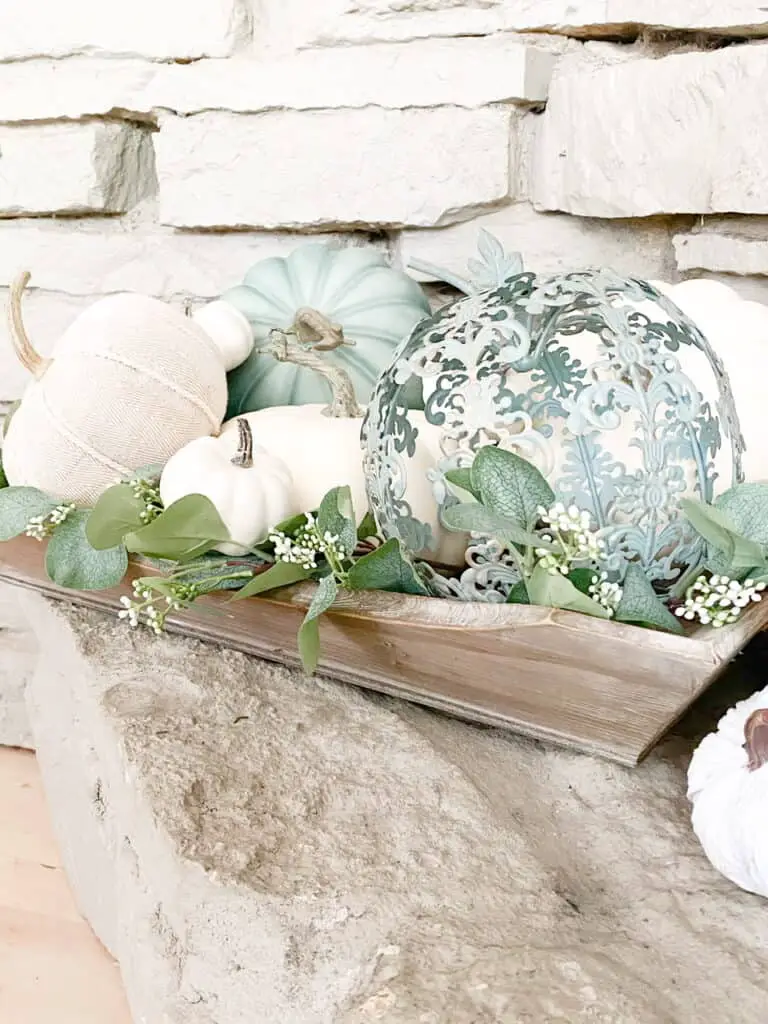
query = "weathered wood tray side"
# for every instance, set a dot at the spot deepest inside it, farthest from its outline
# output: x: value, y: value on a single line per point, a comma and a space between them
x: 595, y: 686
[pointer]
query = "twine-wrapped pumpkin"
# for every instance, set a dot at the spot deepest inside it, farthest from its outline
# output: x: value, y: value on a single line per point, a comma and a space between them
x: 130, y: 383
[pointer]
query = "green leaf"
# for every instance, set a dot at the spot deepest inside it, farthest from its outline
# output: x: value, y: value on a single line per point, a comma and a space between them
x: 116, y: 513
x: 582, y: 579
x: 518, y: 594
x: 3, y: 477
x: 556, y: 591
x: 368, y: 527
x: 476, y: 518
x: 281, y: 574
x: 20, y: 504
x: 462, y: 478
x: 309, y: 631
x: 292, y: 525
x: 719, y: 530
x: 185, y: 530
x: 71, y: 562
x: 337, y: 517
x: 746, y: 506
x: 387, y: 568
x: 510, y: 486
x: 641, y: 605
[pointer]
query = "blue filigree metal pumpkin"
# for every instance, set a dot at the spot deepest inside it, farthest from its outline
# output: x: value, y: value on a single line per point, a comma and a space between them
x: 580, y: 374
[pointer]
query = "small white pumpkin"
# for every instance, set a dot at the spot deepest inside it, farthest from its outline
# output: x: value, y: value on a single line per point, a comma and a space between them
x: 130, y: 382
x: 321, y: 444
x: 251, y: 489
x: 728, y: 787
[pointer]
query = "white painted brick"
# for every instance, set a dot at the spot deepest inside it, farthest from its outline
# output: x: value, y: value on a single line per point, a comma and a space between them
x: 548, y: 242
x: 86, y: 258
x: 362, y: 21
x: 46, y: 316
x: 369, y: 167
x: 459, y: 72
x: 166, y: 29
x: 732, y: 246
x: 73, y: 168
x: 682, y: 134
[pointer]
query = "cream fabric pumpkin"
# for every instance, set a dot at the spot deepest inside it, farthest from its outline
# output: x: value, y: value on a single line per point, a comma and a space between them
x: 130, y: 383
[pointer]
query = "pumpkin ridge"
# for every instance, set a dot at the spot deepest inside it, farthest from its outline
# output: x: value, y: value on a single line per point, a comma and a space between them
x: 78, y: 442
x: 364, y: 306
x: 344, y: 289
x: 268, y: 297
x: 199, y: 404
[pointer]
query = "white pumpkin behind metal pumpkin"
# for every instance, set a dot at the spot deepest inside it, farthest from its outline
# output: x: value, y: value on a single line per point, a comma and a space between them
x: 130, y: 382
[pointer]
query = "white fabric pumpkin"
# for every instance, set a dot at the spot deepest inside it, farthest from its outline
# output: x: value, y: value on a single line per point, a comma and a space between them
x: 728, y: 787
x: 130, y: 382
x: 251, y: 489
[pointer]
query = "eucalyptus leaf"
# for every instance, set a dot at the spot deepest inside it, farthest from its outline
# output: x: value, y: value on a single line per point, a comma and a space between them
x: 309, y: 631
x: 368, y: 528
x: 116, y: 513
x: 476, y: 518
x: 518, y: 594
x: 582, y: 579
x: 556, y: 591
x: 641, y: 605
x: 462, y: 478
x: 185, y: 530
x: 387, y: 568
x: 281, y: 574
x: 3, y: 477
x: 20, y: 504
x: 72, y: 562
x: 336, y: 516
x: 720, y: 531
x: 746, y: 507
x: 510, y: 486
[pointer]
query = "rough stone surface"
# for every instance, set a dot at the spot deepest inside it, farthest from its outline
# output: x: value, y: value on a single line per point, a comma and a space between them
x: 18, y: 656
x: 686, y: 133
x: 467, y: 73
x: 730, y: 246
x: 548, y: 242
x: 73, y: 168
x: 376, y: 20
x: 167, y: 30
x: 354, y: 168
x: 102, y: 258
x: 255, y: 846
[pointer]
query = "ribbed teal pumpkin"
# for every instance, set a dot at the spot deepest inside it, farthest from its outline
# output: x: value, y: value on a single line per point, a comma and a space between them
x: 375, y: 305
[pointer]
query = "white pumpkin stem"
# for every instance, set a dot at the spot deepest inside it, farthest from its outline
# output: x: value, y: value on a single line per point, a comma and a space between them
x: 756, y: 737
x: 22, y: 346
x: 314, y: 333
x: 244, y: 454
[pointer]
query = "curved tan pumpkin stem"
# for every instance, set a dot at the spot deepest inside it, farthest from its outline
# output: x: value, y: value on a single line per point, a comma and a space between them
x: 756, y: 739
x: 313, y: 332
x: 22, y: 346
x: 244, y: 455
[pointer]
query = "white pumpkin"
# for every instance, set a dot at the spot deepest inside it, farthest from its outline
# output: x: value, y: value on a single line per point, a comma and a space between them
x: 251, y: 489
x: 728, y: 787
x: 321, y: 445
x: 130, y: 382
x: 737, y: 329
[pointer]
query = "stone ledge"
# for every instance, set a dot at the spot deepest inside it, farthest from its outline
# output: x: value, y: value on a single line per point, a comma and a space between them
x: 458, y: 72
x: 616, y: 141
x: 728, y: 246
x: 253, y: 845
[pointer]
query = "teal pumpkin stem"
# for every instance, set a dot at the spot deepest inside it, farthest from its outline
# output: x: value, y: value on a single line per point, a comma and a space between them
x: 311, y: 333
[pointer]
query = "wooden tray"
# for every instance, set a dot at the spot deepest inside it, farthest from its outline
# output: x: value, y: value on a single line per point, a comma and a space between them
x: 592, y: 685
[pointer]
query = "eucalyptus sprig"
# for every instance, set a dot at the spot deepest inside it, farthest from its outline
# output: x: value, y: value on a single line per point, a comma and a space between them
x: 557, y: 553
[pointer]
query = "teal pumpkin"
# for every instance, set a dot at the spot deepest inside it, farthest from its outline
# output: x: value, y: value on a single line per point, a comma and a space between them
x: 375, y: 305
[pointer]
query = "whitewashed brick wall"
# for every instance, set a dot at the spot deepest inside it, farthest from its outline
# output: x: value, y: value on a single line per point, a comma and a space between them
x: 165, y: 146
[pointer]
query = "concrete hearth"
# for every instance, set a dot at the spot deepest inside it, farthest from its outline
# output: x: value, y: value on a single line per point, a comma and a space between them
x: 254, y: 846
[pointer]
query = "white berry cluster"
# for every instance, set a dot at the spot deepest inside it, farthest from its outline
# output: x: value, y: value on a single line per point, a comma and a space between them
x: 307, y: 545
x: 41, y: 527
x: 718, y: 600
x: 608, y: 595
x: 570, y: 531
x: 143, y: 604
x: 149, y: 494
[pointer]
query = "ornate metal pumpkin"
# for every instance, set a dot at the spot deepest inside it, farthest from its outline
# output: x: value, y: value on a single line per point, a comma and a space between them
x: 580, y: 374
